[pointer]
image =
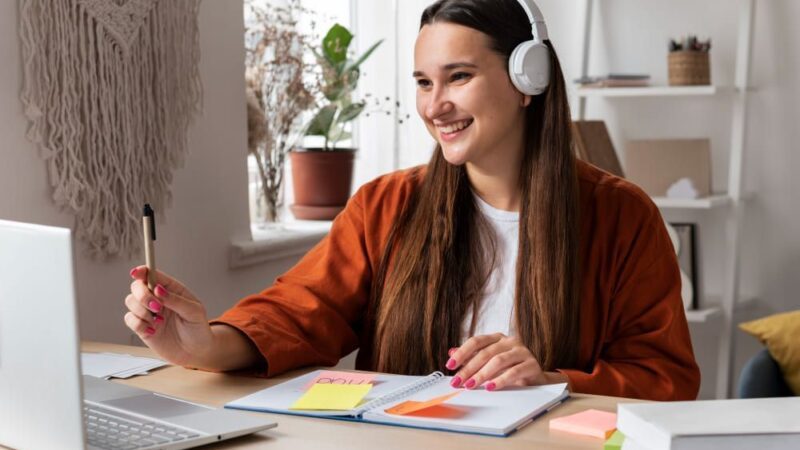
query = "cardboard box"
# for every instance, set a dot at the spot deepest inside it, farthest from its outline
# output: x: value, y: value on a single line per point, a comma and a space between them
x: 675, y: 168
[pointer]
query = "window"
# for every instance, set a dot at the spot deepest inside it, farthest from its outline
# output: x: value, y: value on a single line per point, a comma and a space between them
x: 326, y: 13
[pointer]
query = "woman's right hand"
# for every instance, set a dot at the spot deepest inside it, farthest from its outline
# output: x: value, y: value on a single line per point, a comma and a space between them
x: 169, y: 319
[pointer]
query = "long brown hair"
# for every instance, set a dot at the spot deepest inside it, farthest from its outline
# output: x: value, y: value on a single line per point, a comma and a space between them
x: 438, y: 257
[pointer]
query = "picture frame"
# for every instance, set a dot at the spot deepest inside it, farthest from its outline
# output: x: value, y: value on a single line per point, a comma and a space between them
x: 687, y: 257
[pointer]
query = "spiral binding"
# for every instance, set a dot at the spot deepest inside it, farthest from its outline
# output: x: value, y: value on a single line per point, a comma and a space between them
x: 401, y: 392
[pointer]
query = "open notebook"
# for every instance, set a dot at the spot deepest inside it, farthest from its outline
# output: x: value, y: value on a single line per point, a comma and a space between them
x: 497, y: 413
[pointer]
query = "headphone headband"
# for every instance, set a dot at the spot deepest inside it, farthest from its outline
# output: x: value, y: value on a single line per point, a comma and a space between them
x: 538, y: 27
x: 529, y: 63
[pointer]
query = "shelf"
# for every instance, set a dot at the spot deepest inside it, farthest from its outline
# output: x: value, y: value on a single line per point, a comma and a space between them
x: 650, y: 91
x: 714, y: 311
x: 714, y: 201
x: 702, y: 315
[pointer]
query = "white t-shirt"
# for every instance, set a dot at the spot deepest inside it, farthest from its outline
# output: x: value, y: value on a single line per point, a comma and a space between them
x: 496, y: 312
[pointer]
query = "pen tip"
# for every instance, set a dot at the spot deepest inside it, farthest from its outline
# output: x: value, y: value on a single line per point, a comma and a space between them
x: 148, y: 211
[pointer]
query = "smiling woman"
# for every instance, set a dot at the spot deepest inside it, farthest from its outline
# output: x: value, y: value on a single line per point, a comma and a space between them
x: 463, y: 96
x: 503, y: 260
x: 491, y: 139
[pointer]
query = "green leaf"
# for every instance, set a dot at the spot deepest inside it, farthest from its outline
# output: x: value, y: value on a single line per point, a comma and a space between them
x: 362, y: 58
x: 350, y: 112
x: 338, y: 134
x: 350, y: 79
x: 334, y: 90
x: 335, y: 44
x: 321, y: 123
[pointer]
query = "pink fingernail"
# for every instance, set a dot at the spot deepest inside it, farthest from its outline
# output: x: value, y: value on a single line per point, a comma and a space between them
x: 451, y: 364
x: 150, y: 330
x: 451, y: 351
x: 160, y: 291
x: 133, y: 272
x: 470, y: 384
x: 154, y: 306
x: 491, y: 386
x: 456, y: 381
x: 159, y: 319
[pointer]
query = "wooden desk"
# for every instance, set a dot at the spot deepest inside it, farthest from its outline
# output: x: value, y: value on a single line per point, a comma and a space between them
x: 308, y: 433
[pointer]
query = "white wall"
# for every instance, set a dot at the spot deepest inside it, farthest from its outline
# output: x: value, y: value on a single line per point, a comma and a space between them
x: 209, y: 204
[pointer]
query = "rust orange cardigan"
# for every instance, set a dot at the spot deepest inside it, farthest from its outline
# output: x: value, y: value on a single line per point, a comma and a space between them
x: 634, y: 339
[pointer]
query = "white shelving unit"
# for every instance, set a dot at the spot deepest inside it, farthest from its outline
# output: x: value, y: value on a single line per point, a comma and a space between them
x: 714, y: 201
x: 650, y: 91
x: 703, y: 315
x: 730, y: 201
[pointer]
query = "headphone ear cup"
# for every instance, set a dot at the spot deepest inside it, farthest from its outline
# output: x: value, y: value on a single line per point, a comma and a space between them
x: 529, y: 67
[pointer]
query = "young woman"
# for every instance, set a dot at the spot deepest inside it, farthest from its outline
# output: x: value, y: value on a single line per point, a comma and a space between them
x: 504, y: 261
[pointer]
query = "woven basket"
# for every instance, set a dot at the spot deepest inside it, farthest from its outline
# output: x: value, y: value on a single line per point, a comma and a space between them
x: 689, y: 68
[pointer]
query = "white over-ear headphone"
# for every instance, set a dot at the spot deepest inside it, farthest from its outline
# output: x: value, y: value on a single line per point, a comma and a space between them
x: 529, y: 64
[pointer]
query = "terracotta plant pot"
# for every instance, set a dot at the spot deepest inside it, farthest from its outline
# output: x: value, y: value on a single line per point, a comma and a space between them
x: 322, y: 182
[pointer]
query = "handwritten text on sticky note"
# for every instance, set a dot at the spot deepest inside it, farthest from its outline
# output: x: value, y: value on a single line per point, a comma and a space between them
x: 412, y: 406
x: 334, y: 377
x: 332, y: 397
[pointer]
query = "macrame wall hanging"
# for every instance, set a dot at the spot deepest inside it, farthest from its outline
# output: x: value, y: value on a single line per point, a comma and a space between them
x: 110, y: 88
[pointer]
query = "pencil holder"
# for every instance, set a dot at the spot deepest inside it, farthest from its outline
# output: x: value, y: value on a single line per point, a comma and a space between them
x: 689, y: 68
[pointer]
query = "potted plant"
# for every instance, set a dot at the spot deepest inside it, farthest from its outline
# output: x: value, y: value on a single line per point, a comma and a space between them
x: 323, y: 176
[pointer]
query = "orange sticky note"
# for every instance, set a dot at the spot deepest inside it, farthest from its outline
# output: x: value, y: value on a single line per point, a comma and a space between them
x: 344, y: 378
x: 412, y: 406
x: 592, y: 422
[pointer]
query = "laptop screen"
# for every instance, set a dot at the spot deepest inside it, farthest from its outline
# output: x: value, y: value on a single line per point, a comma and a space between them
x: 40, y: 380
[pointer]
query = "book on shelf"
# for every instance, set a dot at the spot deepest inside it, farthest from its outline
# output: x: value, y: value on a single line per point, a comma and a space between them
x: 711, y: 424
x: 614, y: 80
x: 416, y: 401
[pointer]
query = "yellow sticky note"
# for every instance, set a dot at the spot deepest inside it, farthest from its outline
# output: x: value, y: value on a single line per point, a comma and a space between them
x: 334, y: 397
x: 615, y: 441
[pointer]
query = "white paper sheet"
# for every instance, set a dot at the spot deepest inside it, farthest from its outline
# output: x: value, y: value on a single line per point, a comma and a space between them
x: 116, y: 365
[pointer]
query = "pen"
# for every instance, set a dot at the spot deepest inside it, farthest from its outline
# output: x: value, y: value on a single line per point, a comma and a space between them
x: 149, y: 228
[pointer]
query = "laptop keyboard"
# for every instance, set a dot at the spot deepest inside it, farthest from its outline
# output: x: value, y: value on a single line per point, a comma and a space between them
x: 109, y: 429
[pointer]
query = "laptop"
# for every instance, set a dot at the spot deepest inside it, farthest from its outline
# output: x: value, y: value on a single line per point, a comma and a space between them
x: 45, y: 402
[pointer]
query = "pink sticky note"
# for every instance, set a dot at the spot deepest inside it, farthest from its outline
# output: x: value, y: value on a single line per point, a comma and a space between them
x: 592, y: 422
x: 334, y: 377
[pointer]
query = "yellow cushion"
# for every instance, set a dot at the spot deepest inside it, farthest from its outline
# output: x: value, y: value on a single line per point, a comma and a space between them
x: 780, y: 333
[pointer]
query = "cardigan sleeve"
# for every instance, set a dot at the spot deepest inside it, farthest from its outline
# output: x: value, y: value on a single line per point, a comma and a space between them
x: 307, y: 317
x: 646, y: 350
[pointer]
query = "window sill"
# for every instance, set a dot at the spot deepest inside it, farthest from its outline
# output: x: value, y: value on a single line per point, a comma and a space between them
x: 287, y: 239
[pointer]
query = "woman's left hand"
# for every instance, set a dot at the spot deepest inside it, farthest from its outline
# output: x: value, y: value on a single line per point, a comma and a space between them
x: 499, y: 361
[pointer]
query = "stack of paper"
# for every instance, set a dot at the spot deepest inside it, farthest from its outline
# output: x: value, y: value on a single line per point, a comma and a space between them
x: 763, y: 423
x: 115, y: 365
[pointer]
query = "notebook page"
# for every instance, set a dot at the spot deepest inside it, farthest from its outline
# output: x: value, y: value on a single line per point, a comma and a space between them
x: 498, y: 412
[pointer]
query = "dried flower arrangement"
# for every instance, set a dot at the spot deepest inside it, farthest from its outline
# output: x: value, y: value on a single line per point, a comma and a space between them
x: 281, y: 86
